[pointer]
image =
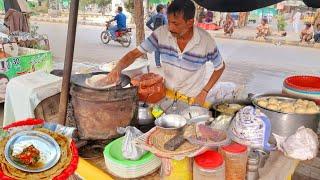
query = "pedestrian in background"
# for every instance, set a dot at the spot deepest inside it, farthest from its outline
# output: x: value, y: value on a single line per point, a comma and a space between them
x: 317, y: 33
x: 307, y: 33
x: 316, y: 21
x: 228, y: 25
x: 296, y: 20
x: 157, y: 20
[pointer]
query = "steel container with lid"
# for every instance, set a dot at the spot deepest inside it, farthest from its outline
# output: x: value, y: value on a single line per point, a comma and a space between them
x: 253, y: 165
x: 235, y: 157
x: 209, y: 166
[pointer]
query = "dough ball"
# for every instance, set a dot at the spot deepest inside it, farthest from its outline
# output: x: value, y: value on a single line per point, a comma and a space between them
x: 299, y: 105
x: 302, y: 102
x: 273, y: 107
x: 312, y: 110
x: 263, y: 103
x: 311, y: 104
x: 287, y: 110
x: 299, y: 101
x: 300, y: 110
x: 285, y: 105
x: 273, y: 100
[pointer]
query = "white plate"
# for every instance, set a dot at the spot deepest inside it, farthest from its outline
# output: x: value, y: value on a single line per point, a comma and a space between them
x: 138, y: 64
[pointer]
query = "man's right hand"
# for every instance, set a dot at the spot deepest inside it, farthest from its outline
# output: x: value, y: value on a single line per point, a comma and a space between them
x: 112, y: 78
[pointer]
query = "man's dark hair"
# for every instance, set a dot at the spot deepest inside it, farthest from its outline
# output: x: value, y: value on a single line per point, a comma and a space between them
x: 120, y: 9
x: 159, y: 7
x: 308, y: 25
x: 265, y: 20
x: 186, y: 7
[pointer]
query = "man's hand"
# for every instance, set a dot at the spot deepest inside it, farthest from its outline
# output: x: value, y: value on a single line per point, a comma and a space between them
x: 201, y: 98
x: 112, y: 78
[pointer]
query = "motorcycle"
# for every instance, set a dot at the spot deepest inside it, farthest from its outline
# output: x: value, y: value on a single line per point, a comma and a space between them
x: 122, y: 36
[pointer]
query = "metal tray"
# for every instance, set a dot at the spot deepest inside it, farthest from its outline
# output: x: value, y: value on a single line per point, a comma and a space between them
x: 49, y: 149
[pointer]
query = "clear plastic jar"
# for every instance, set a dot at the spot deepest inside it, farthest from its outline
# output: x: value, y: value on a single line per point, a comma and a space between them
x: 209, y: 166
x: 235, y: 156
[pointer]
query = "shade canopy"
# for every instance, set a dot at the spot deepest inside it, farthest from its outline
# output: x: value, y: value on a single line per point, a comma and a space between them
x: 245, y: 5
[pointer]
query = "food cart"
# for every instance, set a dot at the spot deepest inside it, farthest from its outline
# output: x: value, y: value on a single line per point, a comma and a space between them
x: 175, y: 162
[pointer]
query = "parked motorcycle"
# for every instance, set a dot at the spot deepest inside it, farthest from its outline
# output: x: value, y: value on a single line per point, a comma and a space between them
x: 122, y: 36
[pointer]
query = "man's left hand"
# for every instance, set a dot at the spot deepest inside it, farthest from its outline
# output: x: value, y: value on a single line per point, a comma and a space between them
x: 201, y: 98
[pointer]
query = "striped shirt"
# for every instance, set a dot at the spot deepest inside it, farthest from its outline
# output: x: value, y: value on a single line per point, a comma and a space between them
x: 188, y: 71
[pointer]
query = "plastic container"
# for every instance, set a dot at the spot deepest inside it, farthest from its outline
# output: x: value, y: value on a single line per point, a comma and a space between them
x: 304, y: 83
x: 176, y: 169
x: 235, y: 157
x: 303, y: 87
x: 209, y: 166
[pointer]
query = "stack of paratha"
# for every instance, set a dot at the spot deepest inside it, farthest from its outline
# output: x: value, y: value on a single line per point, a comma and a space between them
x: 65, y: 159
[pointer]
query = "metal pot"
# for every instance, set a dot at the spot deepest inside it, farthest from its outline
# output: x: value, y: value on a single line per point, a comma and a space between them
x: 286, y: 124
x: 99, y: 112
x: 145, y: 116
x: 216, y: 112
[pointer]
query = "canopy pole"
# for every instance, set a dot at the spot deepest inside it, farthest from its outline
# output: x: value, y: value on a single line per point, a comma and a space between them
x: 72, y: 27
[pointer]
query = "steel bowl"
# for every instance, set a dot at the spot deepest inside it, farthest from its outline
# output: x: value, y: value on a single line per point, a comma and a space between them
x: 216, y: 111
x: 286, y: 124
x: 171, y: 122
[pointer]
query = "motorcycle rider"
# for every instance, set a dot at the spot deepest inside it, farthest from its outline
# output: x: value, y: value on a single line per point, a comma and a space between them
x: 121, y: 21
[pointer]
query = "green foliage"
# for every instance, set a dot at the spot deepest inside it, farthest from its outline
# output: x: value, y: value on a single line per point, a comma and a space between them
x: 100, y: 3
x: 281, y: 22
x: 129, y: 5
x: 158, y: 1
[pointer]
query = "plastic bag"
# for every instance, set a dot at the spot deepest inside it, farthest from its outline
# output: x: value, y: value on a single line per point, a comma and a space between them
x: 251, y: 127
x: 129, y: 149
x: 221, y: 122
x: 64, y: 130
x: 302, y: 145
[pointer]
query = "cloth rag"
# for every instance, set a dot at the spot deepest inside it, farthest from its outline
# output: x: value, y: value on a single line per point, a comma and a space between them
x: 25, y: 92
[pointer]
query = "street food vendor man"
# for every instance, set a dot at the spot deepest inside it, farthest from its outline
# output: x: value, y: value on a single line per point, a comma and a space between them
x: 191, y: 61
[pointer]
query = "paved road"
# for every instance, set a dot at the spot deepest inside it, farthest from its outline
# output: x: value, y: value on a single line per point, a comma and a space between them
x: 89, y: 48
x: 261, y: 66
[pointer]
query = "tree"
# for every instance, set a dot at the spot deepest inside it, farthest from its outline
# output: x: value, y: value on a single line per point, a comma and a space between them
x: 129, y: 5
x: 281, y: 22
x: 103, y: 5
x: 139, y: 21
x: 84, y: 3
x: 243, y: 19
